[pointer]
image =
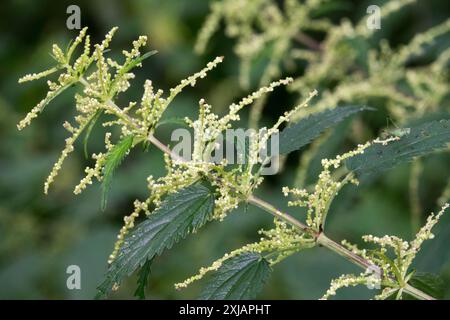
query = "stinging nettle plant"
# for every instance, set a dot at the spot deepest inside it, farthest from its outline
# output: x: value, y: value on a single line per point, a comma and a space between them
x: 195, y: 192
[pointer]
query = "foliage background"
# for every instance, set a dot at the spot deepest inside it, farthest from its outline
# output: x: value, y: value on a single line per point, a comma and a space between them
x: 40, y: 236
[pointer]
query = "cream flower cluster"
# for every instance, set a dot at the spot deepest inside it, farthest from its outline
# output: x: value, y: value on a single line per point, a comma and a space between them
x: 153, y: 104
x: 330, y: 181
x: 209, y: 126
x: 349, y: 280
x: 395, y: 273
x: 233, y: 186
x: 275, y: 245
x: 386, y: 69
x: 325, y: 190
x: 128, y: 225
x: 99, y: 88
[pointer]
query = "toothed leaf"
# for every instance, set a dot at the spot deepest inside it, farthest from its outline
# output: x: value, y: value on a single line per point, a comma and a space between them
x: 304, y: 131
x: 180, y: 214
x: 239, y: 278
x: 421, y: 140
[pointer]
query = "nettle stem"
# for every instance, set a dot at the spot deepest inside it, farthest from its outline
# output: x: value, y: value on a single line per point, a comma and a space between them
x: 277, y: 213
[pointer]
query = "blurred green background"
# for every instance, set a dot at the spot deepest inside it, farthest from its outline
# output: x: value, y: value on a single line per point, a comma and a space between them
x: 41, y: 235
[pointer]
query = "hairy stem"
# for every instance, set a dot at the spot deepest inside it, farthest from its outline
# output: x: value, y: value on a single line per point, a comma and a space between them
x: 323, y: 240
x: 277, y: 213
x: 161, y: 146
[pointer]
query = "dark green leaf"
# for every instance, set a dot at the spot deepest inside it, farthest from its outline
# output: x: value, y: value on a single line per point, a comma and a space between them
x: 241, y: 277
x: 303, y: 132
x: 113, y: 160
x: 143, y: 275
x: 429, y: 283
x: 91, y: 125
x: 180, y: 214
x: 327, y: 148
x: 422, y: 139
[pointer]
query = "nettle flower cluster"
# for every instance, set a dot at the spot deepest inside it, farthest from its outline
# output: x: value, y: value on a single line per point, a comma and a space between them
x: 100, y: 88
x: 275, y: 245
x: 331, y: 180
x: 408, y: 92
x: 233, y: 184
x: 392, y: 273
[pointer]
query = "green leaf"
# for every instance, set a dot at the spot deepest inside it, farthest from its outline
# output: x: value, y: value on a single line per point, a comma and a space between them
x: 303, y: 132
x: 241, y: 277
x: 421, y: 140
x: 429, y: 283
x: 113, y: 160
x: 89, y: 128
x: 180, y: 214
x: 143, y: 275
